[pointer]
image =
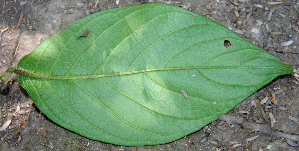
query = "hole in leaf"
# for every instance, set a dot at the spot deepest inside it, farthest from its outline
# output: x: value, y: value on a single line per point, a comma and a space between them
x: 227, y: 43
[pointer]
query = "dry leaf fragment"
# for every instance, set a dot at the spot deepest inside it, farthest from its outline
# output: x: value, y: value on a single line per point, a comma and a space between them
x: 244, y: 112
x: 294, y: 119
x: 19, y: 139
x: 7, y: 123
x: 282, y: 15
x: 234, y: 142
x: 17, y: 129
x: 213, y: 142
x: 18, y: 110
x: 236, y: 13
x: 282, y: 108
x: 276, y: 33
x: 204, y: 140
x: 45, y: 133
x: 264, y: 100
x: 184, y: 93
x: 295, y: 29
x: 252, y: 138
x: 265, y: 117
x: 296, y: 74
x: 273, y: 100
x: 274, y: 3
x: 51, y: 146
x: 287, y: 43
x: 270, y: 14
x: 29, y: 26
x: 258, y: 5
x: 85, y: 34
x: 236, y: 145
x: 292, y: 143
x: 273, y: 120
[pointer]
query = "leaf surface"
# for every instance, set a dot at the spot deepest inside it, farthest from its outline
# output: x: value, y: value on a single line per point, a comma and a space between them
x: 144, y: 74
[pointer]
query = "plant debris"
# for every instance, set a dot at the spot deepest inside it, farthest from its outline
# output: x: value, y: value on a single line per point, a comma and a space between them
x: 294, y: 119
x: 252, y: 138
x: 85, y: 34
x: 287, y: 43
x: 20, y: 19
x: 292, y: 143
x: 184, y: 93
x: 258, y: 127
x: 7, y: 123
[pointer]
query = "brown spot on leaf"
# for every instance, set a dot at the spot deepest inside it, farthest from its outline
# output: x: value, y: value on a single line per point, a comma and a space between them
x: 85, y: 34
x: 184, y: 93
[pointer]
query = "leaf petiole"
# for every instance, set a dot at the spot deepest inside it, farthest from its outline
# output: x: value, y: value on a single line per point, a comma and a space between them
x: 7, y: 74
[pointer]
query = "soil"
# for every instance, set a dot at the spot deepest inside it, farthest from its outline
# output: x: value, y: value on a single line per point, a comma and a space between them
x: 272, y: 25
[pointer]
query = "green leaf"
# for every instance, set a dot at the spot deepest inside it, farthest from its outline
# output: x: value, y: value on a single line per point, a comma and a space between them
x: 144, y: 74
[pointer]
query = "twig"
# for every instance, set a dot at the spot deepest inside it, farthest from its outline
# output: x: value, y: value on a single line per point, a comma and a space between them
x: 233, y: 119
x: 295, y: 29
x: 20, y: 19
x: 17, y: 50
x: 274, y: 3
x: 258, y: 127
x: 235, y: 3
x: 294, y: 119
x: 2, y: 31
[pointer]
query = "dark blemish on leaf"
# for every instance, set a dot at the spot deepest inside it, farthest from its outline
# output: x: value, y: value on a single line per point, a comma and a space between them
x: 85, y: 34
x: 184, y: 93
x: 192, y: 17
x: 227, y: 43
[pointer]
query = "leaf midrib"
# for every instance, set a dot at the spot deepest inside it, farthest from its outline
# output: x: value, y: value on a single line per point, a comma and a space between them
x: 31, y: 74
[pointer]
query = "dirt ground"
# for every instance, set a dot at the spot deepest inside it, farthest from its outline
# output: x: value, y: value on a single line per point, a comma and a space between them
x: 272, y: 25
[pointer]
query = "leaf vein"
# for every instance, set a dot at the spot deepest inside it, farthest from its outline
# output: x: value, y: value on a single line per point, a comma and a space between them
x: 129, y: 36
x: 151, y: 109
x: 174, y: 90
x: 114, y: 114
x: 61, y: 120
x: 171, y: 32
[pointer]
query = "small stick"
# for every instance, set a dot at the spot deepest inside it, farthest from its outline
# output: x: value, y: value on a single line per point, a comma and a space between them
x: 295, y: 29
x: 2, y: 31
x: 274, y: 3
x: 17, y: 50
x: 258, y: 127
x: 294, y: 119
x: 20, y: 19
